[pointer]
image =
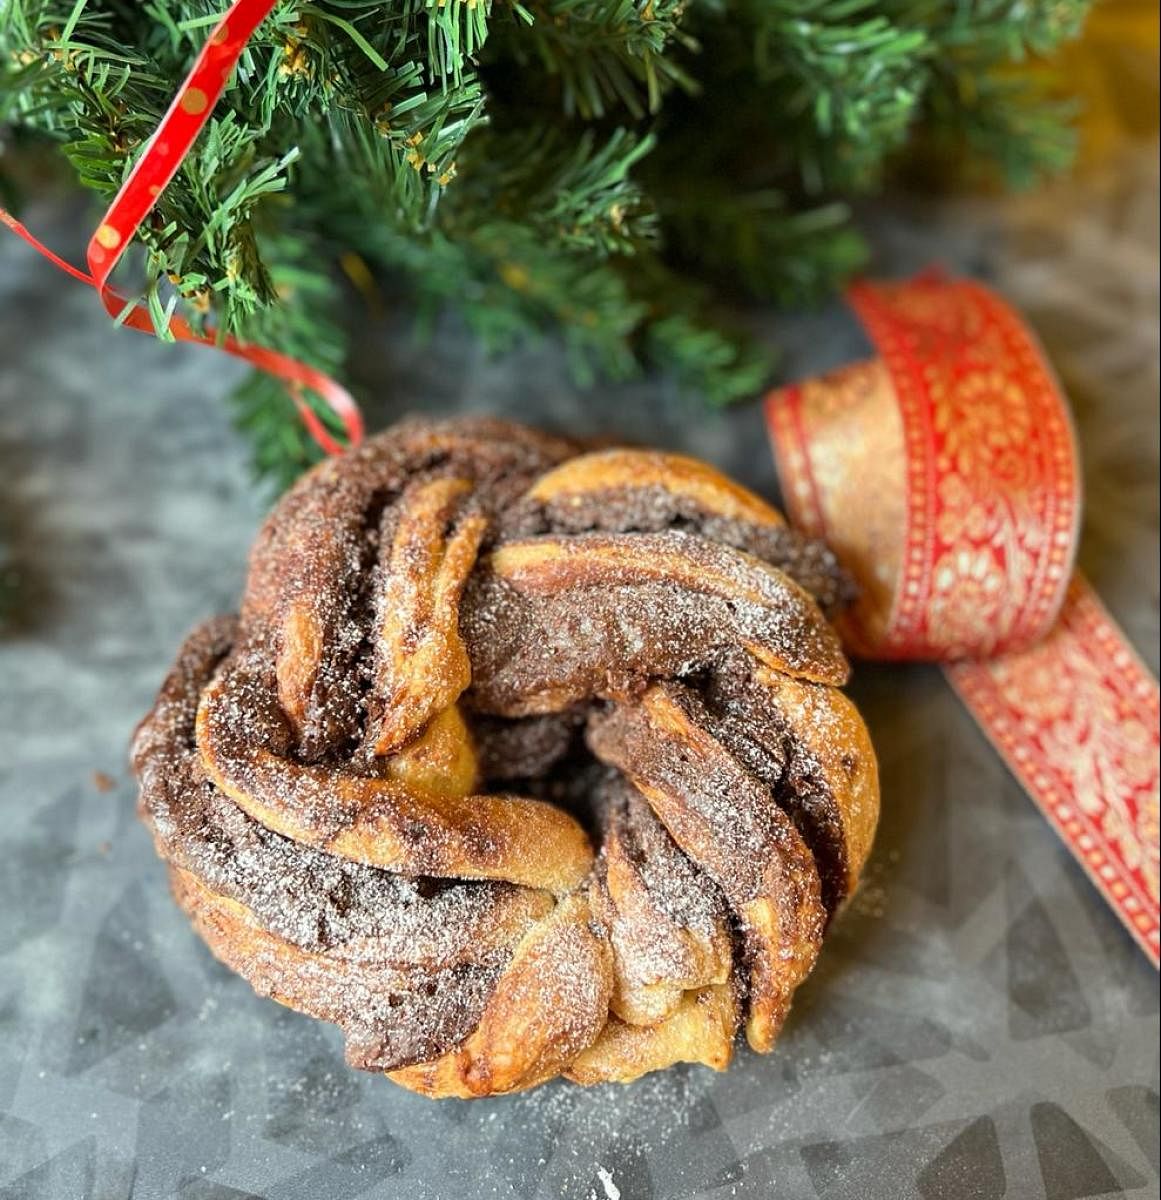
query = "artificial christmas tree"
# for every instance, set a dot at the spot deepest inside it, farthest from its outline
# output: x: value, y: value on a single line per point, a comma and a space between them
x: 608, y: 169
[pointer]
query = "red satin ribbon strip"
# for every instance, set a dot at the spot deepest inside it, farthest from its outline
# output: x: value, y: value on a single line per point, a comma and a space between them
x: 157, y: 165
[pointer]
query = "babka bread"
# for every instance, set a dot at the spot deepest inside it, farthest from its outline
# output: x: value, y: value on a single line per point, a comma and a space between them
x: 522, y: 759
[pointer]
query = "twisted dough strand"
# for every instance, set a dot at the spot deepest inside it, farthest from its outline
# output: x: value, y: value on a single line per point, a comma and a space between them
x: 631, y: 646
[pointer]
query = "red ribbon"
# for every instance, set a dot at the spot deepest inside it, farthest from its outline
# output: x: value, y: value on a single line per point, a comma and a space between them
x: 945, y: 475
x: 154, y: 170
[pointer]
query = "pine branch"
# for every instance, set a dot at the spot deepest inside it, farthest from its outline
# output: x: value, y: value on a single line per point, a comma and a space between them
x: 606, y: 54
x: 603, y: 169
x: 705, y: 361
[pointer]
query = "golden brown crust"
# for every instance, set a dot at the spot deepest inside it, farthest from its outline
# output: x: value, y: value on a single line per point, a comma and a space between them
x: 721, y: 819
x: 460, y: 608
x: 421, y: 665
x: 550, y: 1004
x: 385, y: 822
x: 682, y: 477
x: 825, y: 725
x: 668, y: 923
x: 763, y: 609
x: 360, y: 991
x: 700, y: 1029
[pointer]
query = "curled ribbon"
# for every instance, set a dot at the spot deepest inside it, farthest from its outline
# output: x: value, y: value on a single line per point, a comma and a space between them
x: 963, y: 438
x: 152, y: 173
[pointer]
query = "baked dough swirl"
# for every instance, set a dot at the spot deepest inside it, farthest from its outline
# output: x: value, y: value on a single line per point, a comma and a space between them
x: 522, y: 759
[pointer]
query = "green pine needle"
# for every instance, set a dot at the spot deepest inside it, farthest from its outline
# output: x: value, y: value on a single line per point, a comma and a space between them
x: 605, y: 171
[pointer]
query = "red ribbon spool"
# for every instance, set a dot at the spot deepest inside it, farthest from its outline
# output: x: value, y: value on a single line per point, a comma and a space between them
x: 945, y: 475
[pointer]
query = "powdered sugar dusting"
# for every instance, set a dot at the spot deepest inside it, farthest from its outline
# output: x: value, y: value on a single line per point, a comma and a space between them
x: 612, y: 1192
x: 602, y: 597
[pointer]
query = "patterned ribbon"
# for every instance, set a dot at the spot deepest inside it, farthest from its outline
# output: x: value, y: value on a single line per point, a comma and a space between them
x: 158, y: 163
x: 945, y: 475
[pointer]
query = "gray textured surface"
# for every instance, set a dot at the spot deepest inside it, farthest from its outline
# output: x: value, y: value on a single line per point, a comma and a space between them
x: 979, y: 1025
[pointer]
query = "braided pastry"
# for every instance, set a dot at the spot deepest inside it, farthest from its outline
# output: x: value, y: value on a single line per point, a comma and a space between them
x: 469, y: 653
